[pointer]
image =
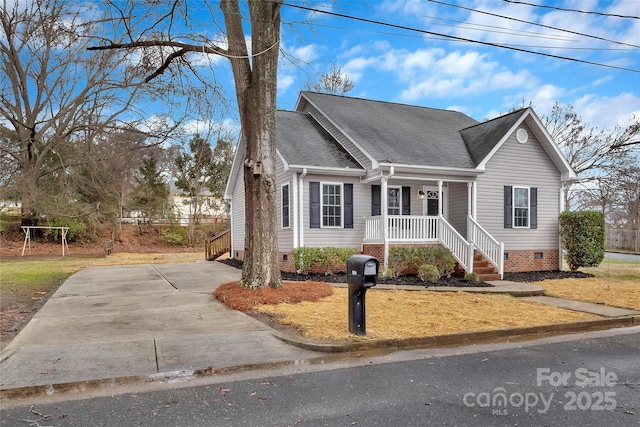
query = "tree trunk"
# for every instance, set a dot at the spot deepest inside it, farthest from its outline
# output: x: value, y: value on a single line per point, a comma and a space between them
x: 255, y: 80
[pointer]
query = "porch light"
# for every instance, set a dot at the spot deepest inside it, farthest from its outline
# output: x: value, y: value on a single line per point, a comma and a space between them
x: 421, y: 195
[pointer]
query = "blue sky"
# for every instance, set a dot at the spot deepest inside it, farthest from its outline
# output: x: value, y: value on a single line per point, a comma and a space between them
x: 410, y: 67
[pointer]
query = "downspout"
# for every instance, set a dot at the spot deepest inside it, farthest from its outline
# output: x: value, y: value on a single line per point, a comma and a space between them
x: 231, y: 228
x: 294, y: 190
x: 562, y: 207
x: 383, y: 208
x: 301, y: 205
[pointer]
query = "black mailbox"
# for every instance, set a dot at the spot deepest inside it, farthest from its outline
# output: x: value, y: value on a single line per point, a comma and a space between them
x: 362, y: 273
x: 362, y: 270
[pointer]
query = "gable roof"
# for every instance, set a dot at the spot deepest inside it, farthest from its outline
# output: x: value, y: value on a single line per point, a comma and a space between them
x: 399, y: 133
x: 301, y: 141
x: 481, y: 139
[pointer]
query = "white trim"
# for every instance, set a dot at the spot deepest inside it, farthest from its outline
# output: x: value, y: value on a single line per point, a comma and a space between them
x: 300, y: 108
x: 294, y: 192
x: 288, y: 185
x: 338, y: 184
x: 513, y: 206
x: 399, y: 188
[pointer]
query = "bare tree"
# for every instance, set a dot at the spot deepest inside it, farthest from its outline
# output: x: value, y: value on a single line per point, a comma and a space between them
x: 591, y: 151
x: 333, y: 82
x: 255, y: 77
x: 56, y: 98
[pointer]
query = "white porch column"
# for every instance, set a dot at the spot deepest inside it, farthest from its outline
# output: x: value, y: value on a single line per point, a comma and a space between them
x: 294, y: 208
x: 440, y: 199
x: 383, y: 211
x: 474, y: 201
x: 469, y: 199
x: 301, y: 205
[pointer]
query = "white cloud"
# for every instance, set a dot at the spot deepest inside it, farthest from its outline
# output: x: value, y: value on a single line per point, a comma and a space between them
x: 606, y: 112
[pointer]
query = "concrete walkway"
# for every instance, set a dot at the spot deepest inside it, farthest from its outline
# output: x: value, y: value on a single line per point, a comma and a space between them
x: 161, y: 321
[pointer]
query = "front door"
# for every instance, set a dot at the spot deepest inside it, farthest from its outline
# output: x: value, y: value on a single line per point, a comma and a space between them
x: 432, y: 201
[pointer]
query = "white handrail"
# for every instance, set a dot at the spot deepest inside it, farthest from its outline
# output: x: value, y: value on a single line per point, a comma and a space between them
x: 486, y: 244
x: 461, y: 250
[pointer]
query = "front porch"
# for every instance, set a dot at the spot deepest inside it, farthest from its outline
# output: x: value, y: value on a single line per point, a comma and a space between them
x: 413, y: 229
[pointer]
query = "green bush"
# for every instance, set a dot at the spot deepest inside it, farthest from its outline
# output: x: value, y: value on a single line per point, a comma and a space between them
x: 583, y: 237
x: 436, y: 255
x: 178, y: 236
x: 399, y: 260
x: 330, y: 258
x: 76, y: 230
x: 471, y: 278
x: 428, y: 273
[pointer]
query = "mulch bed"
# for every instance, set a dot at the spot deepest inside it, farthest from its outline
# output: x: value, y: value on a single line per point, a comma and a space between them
x: 413, y: 280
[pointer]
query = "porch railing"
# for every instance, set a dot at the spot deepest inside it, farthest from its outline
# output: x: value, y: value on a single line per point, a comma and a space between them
x: 402, y: 229
x: 486, y: 244
x: 461, y: 250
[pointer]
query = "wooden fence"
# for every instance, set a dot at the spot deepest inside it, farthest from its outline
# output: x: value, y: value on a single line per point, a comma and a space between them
x: 623, y: 239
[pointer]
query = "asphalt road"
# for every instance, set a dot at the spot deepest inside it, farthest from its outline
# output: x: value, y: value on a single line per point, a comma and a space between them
x: 589, y: 379
x: 622, y: 256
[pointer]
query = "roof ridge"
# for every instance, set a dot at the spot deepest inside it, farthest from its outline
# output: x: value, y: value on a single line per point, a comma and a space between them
x: 497, y: 118
x: 384, y: 102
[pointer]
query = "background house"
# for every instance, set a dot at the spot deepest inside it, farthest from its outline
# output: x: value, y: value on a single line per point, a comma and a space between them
x: 183, y: 206
x: 368, y: 174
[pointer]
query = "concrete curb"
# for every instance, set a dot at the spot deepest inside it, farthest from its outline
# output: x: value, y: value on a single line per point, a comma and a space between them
x: 458, y: 338
x: 325, y: 347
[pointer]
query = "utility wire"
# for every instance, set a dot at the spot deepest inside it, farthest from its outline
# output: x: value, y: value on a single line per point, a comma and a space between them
x: 573, y: 10
x: 533, y: 23
x: 402, y: 27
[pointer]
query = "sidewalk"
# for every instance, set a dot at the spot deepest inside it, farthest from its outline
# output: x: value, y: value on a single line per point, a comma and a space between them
x: 161, y: 321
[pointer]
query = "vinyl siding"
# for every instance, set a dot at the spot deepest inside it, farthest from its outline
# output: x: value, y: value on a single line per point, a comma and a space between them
x: 526, y: 165
x: 458, y: 198
x: 285, y: 235
x: 345, y: 142
x: 338, y: 237
x: 237, y: 214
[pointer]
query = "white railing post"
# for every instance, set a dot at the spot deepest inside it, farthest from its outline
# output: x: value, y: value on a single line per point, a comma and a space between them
x: 470, y: 249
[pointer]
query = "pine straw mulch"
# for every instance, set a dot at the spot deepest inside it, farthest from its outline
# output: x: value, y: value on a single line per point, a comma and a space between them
x: 393, y: 314
x: 615, y: 293
x: 245, y: 299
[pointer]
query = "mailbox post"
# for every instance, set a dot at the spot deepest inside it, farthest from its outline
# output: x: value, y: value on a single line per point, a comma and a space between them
x: 362, y: 274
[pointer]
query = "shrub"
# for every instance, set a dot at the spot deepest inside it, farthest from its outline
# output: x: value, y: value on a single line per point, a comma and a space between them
x: 330, y: 258
x: 471, y: 278
x: 76, y: 230
x: 399, y: 260
x: 178, y: 236
x: 428, y: 273
x: 583, y: 236
x: 438, y: 256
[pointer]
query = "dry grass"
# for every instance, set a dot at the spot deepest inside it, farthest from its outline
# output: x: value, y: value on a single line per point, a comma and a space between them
x: 613, y: 292
x: 411, y: 314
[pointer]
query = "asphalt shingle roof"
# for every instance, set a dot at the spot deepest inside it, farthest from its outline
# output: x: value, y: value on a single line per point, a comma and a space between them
x: 399, y: 133
x: 481, y: 138
x: 302, y: 141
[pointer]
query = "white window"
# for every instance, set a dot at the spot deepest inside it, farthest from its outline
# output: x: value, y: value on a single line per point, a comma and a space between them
x: 331, y: 207
x: 394, y: 200
x: 286, y: 205
x: 521, y: 207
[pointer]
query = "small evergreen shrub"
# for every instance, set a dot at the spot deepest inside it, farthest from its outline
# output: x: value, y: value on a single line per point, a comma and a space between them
x: 76, y: 230
x: 471, y: 278
x: 329, y: 258
x: 428, y: 273
x: 399, y: 260
x: 178, y: 236
x: 583, y: 237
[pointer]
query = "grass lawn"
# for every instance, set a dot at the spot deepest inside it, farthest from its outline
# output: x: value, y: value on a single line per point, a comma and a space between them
x: 616, y: 283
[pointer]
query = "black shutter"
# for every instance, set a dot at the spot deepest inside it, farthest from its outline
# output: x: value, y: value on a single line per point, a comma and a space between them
x: 406, y: 200
x: 508, y: 207
x: 314, y: 204
x: 376, y: 200
x: 534, y: 207
x: 348, y: 205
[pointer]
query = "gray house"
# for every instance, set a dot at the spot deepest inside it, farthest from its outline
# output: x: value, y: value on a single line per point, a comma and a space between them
x: 368, y: 174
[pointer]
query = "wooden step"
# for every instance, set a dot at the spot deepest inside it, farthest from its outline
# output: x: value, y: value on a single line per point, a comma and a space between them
x: 488, y: 277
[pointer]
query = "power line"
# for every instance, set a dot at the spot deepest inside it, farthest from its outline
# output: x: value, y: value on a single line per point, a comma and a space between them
x: 573, y: 10
x: 402, y: 27
x: 533, y: 23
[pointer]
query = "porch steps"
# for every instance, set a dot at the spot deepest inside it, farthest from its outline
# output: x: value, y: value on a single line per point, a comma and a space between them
x: 483, y: 269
